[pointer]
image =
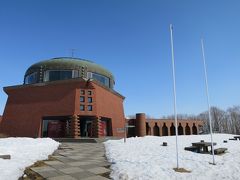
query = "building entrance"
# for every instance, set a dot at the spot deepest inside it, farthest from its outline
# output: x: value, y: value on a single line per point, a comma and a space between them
x: 55, y: 127
x: 105, y: 126
x: 86, y: 128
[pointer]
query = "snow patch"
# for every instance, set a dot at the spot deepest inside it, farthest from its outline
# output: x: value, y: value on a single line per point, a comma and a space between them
x: 24, y: 152
x: 144, y: 158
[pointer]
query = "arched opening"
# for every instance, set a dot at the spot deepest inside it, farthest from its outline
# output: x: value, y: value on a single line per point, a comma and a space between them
x: 156, y: 130
x: 148, y: 129
x: 180, y: 129
x: 194, y: 129
x: 187, y: 130
x: 172, y: 130
x: 164, y: 130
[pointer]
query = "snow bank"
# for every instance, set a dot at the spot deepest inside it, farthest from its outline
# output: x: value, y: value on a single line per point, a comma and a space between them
x: 143, y: 158
x: 24, y: 152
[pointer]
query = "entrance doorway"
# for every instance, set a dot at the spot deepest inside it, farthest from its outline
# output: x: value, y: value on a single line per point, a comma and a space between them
x: 56, y: 129
x: 105, y: 127
x: 55, y: 126
x: 86, y: 127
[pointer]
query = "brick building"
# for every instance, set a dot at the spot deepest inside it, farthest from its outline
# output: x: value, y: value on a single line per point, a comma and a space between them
x: 72, y: 97
x: 64, y: 97
x: 162, y: 127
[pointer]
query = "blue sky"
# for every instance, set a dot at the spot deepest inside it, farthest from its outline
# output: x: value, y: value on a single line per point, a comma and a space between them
x: 131, y: 38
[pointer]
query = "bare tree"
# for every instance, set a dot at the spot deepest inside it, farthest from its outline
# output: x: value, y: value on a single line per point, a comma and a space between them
x: 222, y: 121
x: 204, y: 117
x: 234, y: 118
x: 218, y: 117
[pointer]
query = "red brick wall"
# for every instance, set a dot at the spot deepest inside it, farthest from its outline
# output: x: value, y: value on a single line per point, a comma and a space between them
x: 150, y: 125
x: 168, y: 122
x: 26, y: 105
x: 88, y: 87
x: 111, y: 106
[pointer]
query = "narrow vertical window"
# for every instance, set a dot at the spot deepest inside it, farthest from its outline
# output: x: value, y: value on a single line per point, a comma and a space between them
x: 89, y: 99
x: 89, y: 107
x: 82, y: 92
x: 82, y: 99
x: 82, y: 107
x: 89, y: 92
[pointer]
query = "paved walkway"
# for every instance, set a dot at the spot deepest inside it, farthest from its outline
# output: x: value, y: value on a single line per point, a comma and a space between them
x: 85, y: 161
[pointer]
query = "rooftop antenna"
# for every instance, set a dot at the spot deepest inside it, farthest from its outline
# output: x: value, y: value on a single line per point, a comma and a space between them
x: 72, y: 52
x: 208, y: 101
x: 174, y: 92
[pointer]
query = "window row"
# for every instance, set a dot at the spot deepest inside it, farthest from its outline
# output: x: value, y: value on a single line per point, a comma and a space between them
x: 54, y: 75
x: 82, y: 92
x: 89, y: 99
x: 89, y: 107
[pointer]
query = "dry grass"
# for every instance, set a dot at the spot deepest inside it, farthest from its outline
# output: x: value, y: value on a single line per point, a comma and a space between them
x: 106, y: 175
x: 31, y: 175
x: 50, y: 158
x: 181, y: 170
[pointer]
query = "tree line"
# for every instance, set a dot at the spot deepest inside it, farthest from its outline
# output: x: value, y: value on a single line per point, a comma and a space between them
x: 223, y: 121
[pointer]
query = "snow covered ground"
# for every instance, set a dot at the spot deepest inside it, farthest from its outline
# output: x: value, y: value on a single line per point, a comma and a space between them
x: 24, y: 152
x: 143, y: 158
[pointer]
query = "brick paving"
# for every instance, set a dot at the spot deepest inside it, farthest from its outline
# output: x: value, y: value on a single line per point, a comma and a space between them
x: 73, y: 161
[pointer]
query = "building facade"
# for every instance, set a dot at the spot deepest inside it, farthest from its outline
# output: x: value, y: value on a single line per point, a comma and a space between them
x: 142, y: 126
x: 73, y: 98
x: 64, y: 97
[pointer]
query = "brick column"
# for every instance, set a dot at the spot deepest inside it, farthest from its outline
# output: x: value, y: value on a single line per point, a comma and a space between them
x: 95, y: 127
x: 169, y: 129
x: 160, y: 129
x: 196, y: 124
x: 75, y: 127
x: 140, y: 124
x: 150, y: 130
x: 184, y: 125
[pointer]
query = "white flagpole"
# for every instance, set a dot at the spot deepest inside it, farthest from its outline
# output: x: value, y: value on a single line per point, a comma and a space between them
x: 207, y: 93
x: 174, y: 91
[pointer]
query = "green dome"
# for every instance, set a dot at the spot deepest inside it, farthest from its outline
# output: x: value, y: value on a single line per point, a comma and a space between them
x: 81, y: 66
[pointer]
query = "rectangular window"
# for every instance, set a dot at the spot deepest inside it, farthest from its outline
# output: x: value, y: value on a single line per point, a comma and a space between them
x: 102, y: 79
x: 82, y: 99
x: 82, y: 92
x: 89, y: 99
x: 31, y: 78
x: 89, y: 92
x: 89, y: 75
x: 82, y: 108
x: 75, y: 74
x: 54, y: 75
x: 89, y: 107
